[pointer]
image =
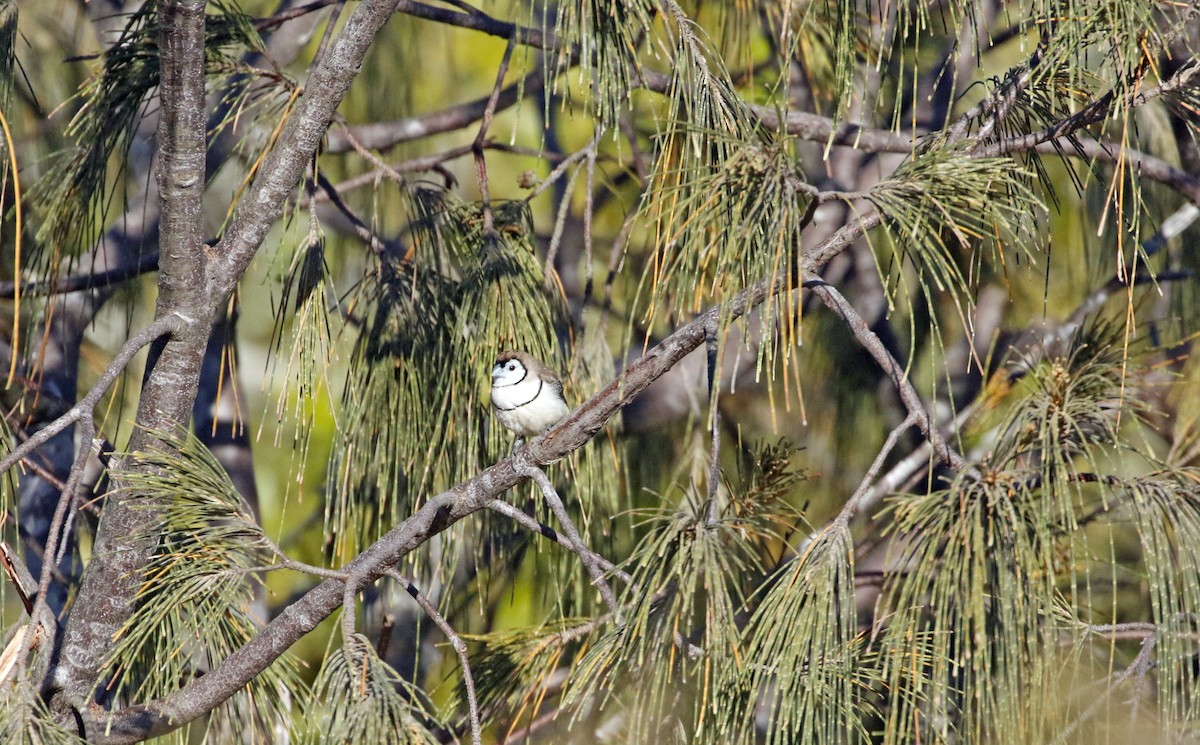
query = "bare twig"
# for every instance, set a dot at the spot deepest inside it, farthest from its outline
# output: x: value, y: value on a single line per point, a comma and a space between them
x: 576, y: 545
x: 560, y: 223
x: 489, y: 111
x: 87, y: 433
x: 287, y: 562
x: 385, y: 135
x: 361, y: 229
x: 524, y: 733
x: 1139, y: 667
x: 169, y: 324
x: 856, y: 501
x: 146, y: 263
x: 460, y: 647
x: 544, y: 530
x: 908, y: 395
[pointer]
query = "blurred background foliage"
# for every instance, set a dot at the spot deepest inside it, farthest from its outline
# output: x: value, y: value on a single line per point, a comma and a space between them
x: 580, y: 200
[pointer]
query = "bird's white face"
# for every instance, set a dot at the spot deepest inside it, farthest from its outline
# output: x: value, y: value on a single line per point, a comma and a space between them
x: 508, y: 372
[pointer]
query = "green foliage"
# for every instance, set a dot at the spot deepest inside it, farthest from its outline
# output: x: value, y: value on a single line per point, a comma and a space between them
x: 989, y: 560
x: 809, y: 669
x: 357, y: 697
x: 514, y: 668
x: 74, y: 197
x: 939, y: 207
x: 690, y: 580
x: 24, y: 719
x: 196, y: 603
x: 1164, y: 508
x: 742, y: 222
x: 601, y: 39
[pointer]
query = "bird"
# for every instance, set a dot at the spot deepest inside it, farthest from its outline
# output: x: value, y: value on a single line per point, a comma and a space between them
x: 527, y: 396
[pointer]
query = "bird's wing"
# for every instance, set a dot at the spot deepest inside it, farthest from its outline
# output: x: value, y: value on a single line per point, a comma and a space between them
x: 553, y: 381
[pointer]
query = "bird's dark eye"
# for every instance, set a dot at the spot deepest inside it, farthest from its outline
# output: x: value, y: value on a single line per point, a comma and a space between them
x: 511, y: 367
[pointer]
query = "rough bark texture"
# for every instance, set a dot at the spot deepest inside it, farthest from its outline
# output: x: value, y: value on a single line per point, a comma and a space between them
x: 125, y: 538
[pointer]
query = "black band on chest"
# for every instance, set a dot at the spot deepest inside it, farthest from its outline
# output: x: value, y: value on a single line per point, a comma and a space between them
x: 533, y: 398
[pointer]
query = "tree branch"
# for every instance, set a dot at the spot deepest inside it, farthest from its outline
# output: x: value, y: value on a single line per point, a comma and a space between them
x: 147, y: 262
x: 385, y: 135
x: 576, y: 544
x: 460, y: 647
x: 535, y: 526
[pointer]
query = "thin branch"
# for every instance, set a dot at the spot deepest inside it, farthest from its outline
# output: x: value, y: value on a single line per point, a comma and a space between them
x: 545, y: 531
x: 334, y: 15
x: 146, y: 263
x: 480, y: 21
x: 586, y: 151
x: 836, y: 302
x: 163, y: 326
x: 456, y: 641
x: 894, y: 480
x: 997, y: 105
x: 524, y: 733
x: 556, y: 234
x: 287, y: 562
x: 88, y: 444
x: 489, y: 111
x: 576, y: 543
x: 1142, y: 629
x: 372, y: 158
x: 589, y: 213
x: 385, y: 135
x: 19, y: 575
x: 425, y: 163
x: 857, y: 500
x: 1139, y: 667
x: 361, y: 229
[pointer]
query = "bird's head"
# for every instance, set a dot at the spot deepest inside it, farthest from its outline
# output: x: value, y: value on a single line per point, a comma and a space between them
x: 510, y: 369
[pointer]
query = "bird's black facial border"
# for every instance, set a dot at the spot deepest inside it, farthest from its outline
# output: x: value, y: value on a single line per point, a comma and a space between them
x: 507, y: 365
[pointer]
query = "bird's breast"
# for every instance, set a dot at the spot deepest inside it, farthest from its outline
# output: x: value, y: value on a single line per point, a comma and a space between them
x: 516, y: 395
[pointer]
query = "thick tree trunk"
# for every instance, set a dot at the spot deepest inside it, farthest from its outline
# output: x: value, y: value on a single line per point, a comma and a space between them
x: 126, y: 534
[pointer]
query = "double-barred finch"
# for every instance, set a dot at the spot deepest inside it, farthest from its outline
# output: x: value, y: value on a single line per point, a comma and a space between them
x: 527, y: 396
